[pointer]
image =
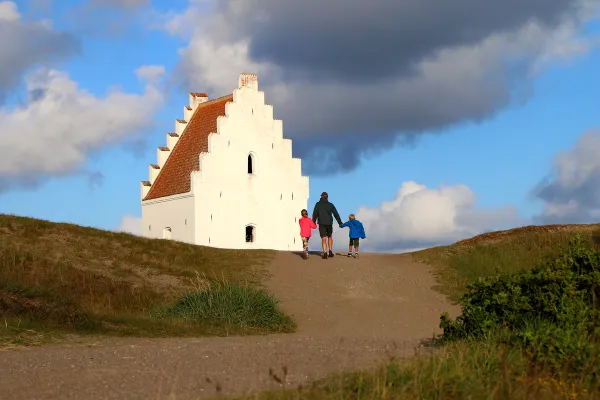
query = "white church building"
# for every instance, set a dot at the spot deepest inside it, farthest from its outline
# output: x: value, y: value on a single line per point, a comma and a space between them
x: 226, y: 177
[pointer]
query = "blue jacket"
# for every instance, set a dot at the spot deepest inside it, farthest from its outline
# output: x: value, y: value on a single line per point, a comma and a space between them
x: 357, y: 230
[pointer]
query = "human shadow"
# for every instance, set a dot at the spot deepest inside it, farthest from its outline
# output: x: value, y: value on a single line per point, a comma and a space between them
x: 310, y: 253
x: 317, y: 253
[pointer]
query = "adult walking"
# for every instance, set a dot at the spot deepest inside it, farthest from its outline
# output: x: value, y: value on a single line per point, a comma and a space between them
x: 322, y: 215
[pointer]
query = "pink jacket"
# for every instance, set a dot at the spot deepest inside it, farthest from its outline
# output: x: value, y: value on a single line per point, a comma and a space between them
x: 306, y: 224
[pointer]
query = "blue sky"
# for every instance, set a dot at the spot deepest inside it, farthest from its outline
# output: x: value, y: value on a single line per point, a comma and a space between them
x: 500, y: 159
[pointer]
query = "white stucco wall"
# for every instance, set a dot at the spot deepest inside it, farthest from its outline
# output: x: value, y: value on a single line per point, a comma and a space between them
x: 228, y: 199
x: 174, y: 212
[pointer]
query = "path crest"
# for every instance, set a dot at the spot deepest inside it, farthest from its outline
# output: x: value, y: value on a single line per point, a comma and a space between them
x: 352, y: 314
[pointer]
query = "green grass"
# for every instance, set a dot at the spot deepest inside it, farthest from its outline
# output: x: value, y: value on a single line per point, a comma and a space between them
x: 231, y: 307
x: 556, y: 356
x: 499, y: 252
x: 57, y: 279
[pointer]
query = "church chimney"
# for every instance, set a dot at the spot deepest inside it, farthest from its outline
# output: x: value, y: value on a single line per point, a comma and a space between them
x: 248, y: 80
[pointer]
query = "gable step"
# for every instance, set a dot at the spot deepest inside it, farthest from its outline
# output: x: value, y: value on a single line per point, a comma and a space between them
x: 153, y: 171
x: 188, y: 112
x: 172, y: 139
x: 144, y: 188
x: 180, y: 125
x: 162, y: 153
x: 197, y: 99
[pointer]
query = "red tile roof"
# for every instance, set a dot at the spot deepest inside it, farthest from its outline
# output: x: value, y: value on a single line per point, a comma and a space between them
x: 174, y: 177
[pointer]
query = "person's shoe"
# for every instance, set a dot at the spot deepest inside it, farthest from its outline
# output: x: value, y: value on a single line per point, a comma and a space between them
x: 349, y: 254
x: 330, y: 253
x: 324, y: 256
x: 355, y: 255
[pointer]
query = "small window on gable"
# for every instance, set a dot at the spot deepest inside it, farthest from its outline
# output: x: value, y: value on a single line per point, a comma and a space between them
x: 167, y: 233
x: 251, y: 164
x: 250, y: 234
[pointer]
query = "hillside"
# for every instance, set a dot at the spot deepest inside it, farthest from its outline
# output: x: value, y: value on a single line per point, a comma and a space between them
x: 528, y: 331
x: 57, y: 278
x: 60, y: 278
x: 500, y: 252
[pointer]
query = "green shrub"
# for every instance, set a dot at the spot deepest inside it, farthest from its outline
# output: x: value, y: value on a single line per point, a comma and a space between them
x: 232, y: 305
x: 550, y: 311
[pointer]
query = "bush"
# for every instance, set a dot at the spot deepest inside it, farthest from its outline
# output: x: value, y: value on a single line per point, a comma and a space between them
x: 550, y: 311
x: 227, y: 304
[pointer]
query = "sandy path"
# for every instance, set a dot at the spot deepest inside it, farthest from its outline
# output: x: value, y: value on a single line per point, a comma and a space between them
x: 352, y: 313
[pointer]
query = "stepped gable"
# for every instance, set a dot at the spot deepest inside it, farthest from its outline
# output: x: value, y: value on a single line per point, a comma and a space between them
x: 175, y: 176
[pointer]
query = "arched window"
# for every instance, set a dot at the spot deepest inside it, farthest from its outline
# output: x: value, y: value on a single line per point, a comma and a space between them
x: 167, y: 233
x: 250, y: 234
x: 251, y: 166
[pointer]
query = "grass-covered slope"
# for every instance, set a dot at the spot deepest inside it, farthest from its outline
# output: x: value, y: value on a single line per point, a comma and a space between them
x: 529, y: 327
x: 67, y: 278
x: 499, y: 252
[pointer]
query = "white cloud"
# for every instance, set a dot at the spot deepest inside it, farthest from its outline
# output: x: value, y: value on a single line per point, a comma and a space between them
x: 151, y: 73
x: 26, y: 44
x: 453, y: 84
x: 130, y: 224
x: 61, y: 124
x: 420, y: 217
x: 9, y: 11
x: 571, y: 192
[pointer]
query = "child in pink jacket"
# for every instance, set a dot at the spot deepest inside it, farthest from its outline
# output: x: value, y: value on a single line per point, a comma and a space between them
x: 306, y: 226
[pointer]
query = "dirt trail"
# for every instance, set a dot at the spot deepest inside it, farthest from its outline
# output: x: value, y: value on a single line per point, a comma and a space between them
x: 352, y: 314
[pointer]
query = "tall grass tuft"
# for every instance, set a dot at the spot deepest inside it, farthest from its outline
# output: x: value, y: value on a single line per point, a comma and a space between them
x: 227, y: 304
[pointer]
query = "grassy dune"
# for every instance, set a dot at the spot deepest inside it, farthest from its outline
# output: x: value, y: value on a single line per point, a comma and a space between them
x: 63, y: 278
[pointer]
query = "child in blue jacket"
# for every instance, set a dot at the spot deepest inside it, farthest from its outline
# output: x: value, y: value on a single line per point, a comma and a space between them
x: 357, y: 232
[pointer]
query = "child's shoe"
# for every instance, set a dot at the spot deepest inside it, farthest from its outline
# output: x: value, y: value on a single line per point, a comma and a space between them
x: 355, y: 255
x: 330, y: 253
x: 349, y: 254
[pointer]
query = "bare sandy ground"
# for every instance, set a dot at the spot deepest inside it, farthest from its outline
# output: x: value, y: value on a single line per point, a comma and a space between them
x: 352, y: 314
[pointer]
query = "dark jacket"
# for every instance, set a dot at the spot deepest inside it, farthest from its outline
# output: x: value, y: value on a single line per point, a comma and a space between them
x: 322, y: 213
x: 357, y: 230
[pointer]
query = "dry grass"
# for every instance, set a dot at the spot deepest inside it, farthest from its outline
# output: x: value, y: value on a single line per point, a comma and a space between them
x: 63, y: 278
x: 475, y: 371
